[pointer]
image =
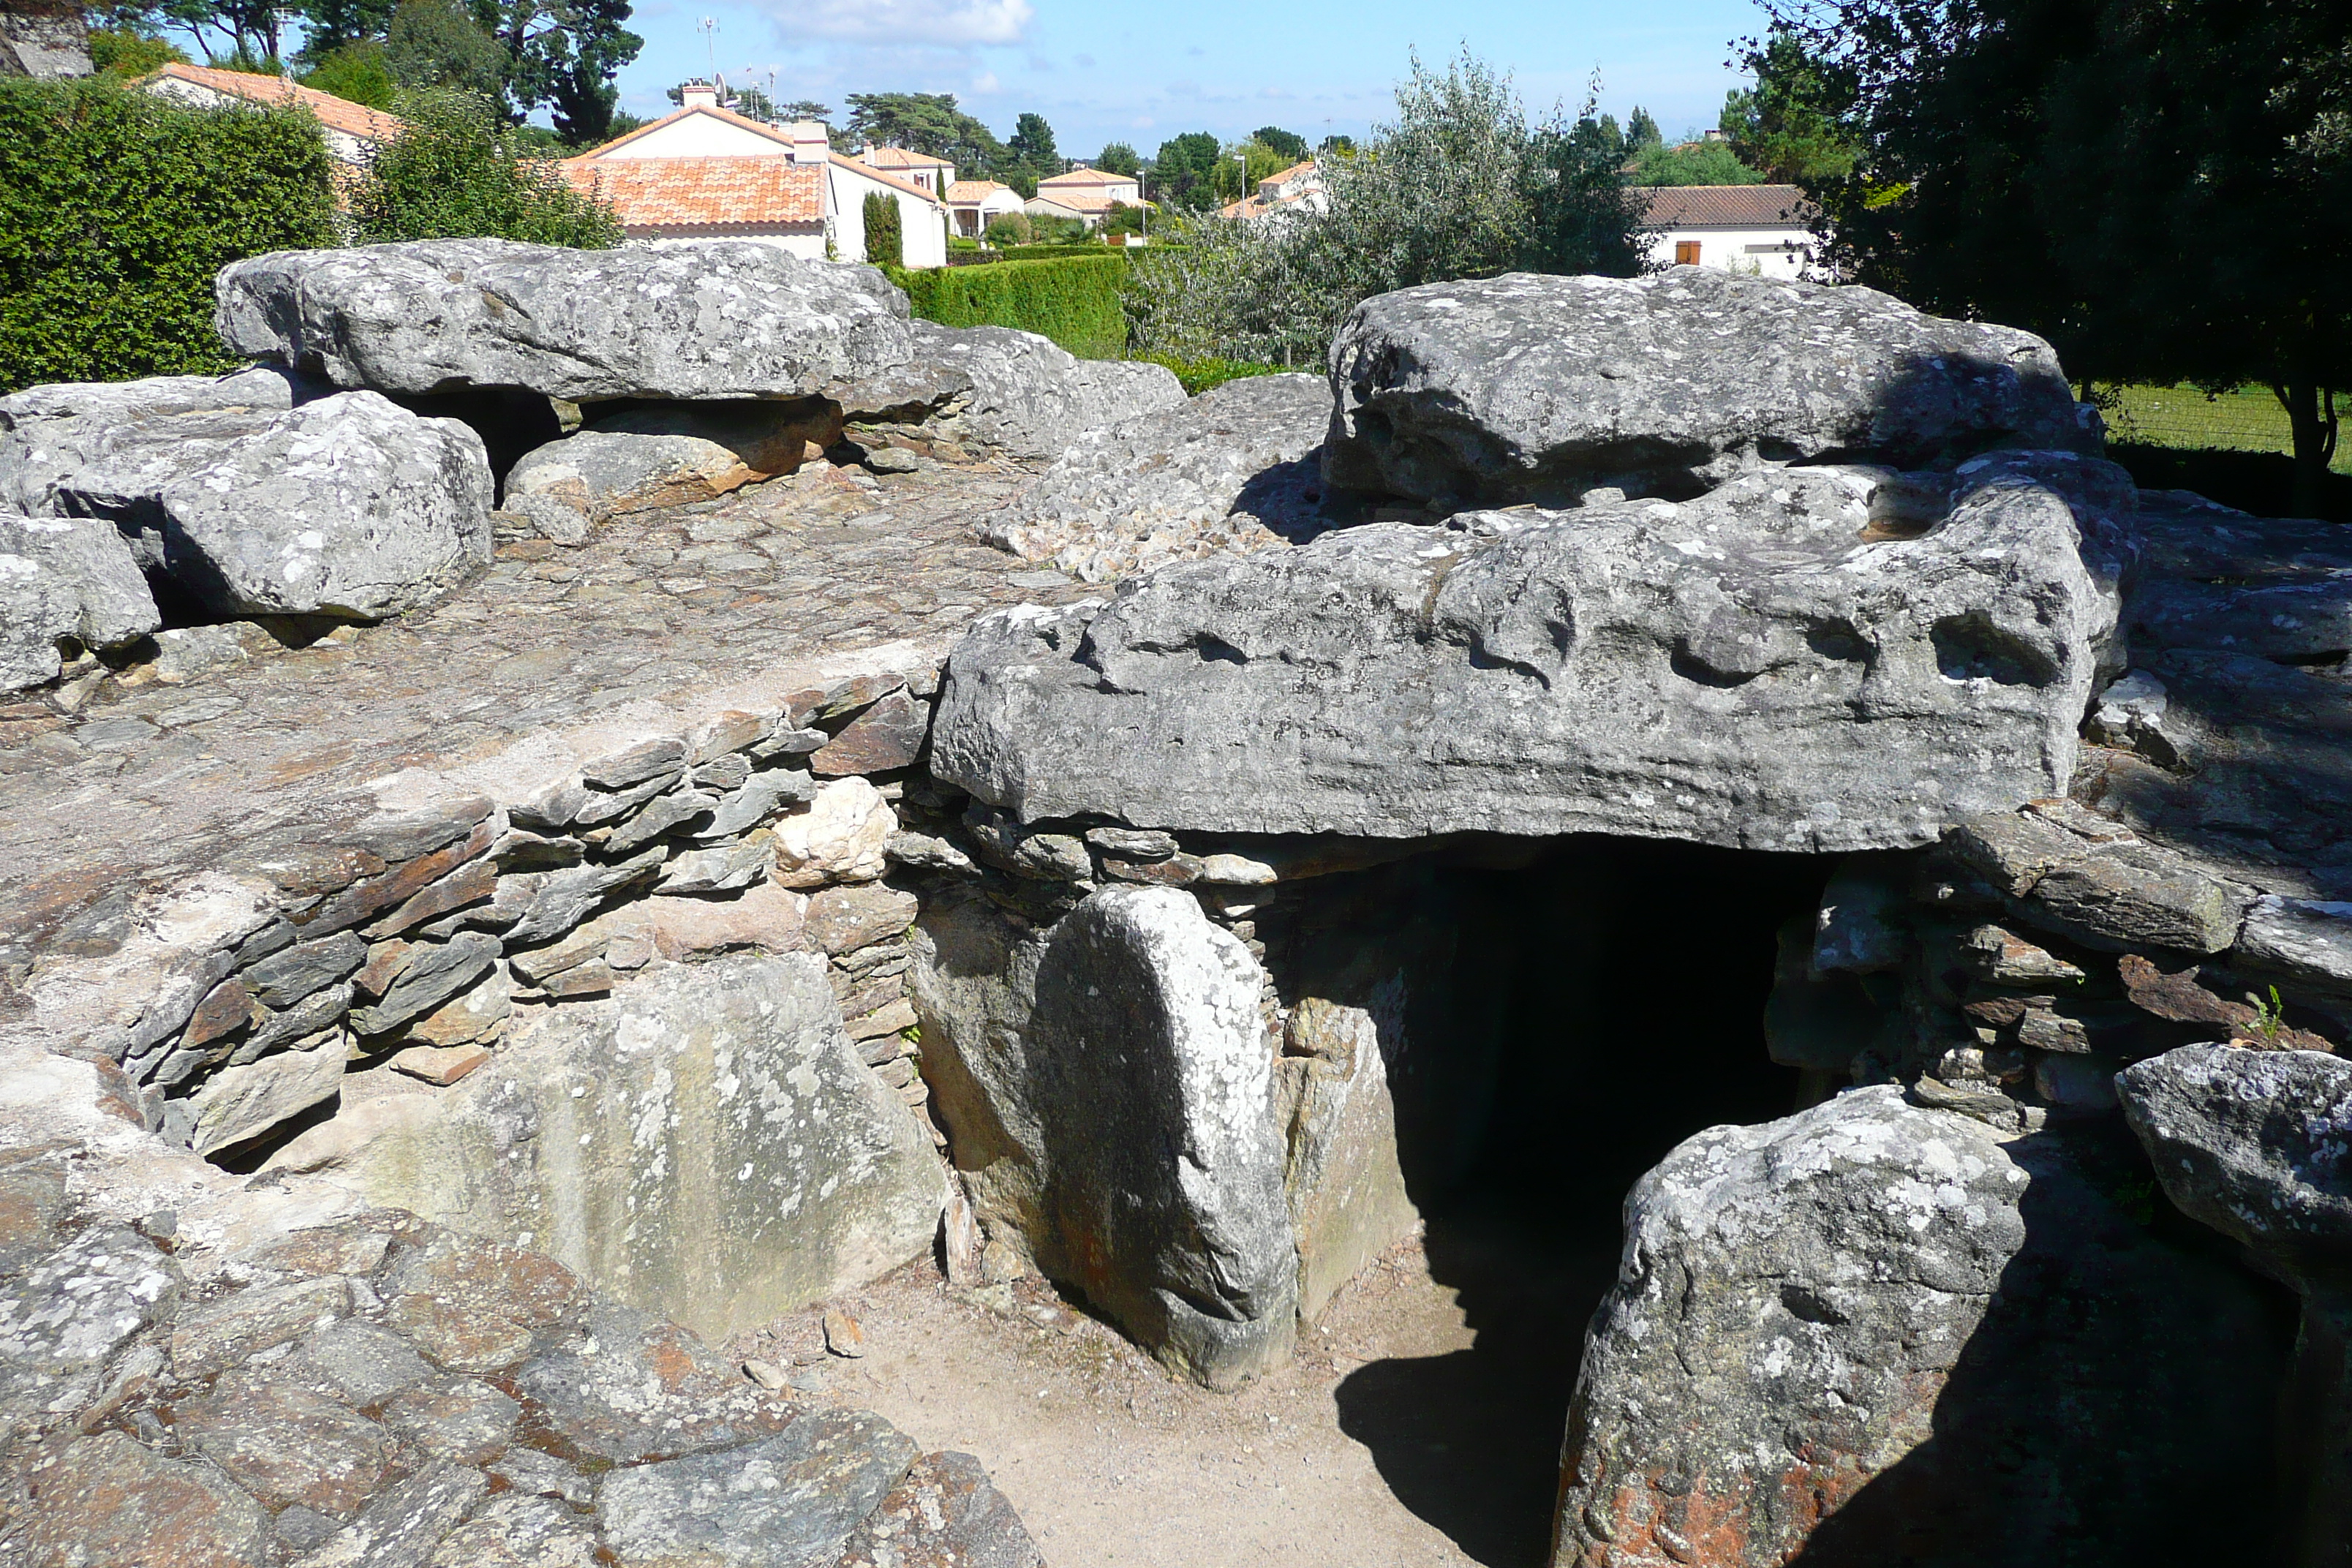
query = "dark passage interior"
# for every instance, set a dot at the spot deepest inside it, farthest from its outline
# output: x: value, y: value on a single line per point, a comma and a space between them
x: 1568, y: 1018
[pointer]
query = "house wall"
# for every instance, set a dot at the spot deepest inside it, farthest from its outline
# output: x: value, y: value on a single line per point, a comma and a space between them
x: 919, y: 220
x: 700, y: 136
x: 1766, y: 252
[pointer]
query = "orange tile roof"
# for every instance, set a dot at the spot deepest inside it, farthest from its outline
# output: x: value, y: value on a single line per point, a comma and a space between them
x: 725, y: 116
x: 1726, y: 206
x: 1088, y: 177
x: 876, y: 176
x: 701, y: 193
x: 973, y: 192
x: 351, y: 118
x: 1305, y: 166
x: 901, y: 158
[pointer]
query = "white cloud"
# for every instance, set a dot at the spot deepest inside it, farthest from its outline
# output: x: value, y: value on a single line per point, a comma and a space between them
x: 984, y: 82
x: 933, y: 22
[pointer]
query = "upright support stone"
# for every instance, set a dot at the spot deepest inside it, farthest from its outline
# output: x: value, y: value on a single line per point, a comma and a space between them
x: 2253, y: 1143
x: 1163, y: 1193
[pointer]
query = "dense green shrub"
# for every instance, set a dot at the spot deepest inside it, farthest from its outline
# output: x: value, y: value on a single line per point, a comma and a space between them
x: 457, y: 173
x: 357, y: 73
x: 1074, y: 300
x: 118, y: 51
x: 1010, y: 228
x: 886, y: 238
x: 116, y: 209
x: 1197, y: 376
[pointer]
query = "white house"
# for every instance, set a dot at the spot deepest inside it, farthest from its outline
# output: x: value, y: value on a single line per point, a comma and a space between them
x: 1087, y: 194
x: 1762, y: 229
x: 353, y: 131
x: 1297, y: 189
x: 707, y: 172
x: 933, y: 175
x: 975, y: 204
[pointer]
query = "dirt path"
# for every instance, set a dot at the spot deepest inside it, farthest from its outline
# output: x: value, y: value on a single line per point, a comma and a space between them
x: 1419, y: 1427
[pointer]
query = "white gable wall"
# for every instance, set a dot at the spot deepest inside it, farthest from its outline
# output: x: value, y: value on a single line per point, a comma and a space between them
x: 700, y: 136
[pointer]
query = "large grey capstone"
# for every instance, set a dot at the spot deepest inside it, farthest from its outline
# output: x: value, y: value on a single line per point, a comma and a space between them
x: 1163, y: 1192
x: 723, y: 320
x: 65, y: 577
x: 1014, y: 391
x: 1753, y: 670
x: 1871, y: 1332
x: 1232, y: 471
x: 705, y: 1144
x: 1525, y: 387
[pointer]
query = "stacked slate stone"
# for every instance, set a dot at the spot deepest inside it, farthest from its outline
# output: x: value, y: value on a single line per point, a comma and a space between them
x: 438, y: 942
x: 407, y: 388
x: 384, y: 1391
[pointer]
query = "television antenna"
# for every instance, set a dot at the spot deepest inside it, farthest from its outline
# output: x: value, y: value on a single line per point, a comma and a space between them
x: 709, y: 27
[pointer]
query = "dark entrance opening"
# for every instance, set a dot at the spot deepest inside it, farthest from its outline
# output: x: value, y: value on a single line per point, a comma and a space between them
x: 1572, y: 1012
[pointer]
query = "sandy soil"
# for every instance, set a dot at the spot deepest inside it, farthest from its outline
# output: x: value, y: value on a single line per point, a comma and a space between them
x: 1419, y: 1425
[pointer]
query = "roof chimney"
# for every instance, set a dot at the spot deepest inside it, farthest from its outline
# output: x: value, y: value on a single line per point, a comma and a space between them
x: 698, y: 94
x: 809, y: 145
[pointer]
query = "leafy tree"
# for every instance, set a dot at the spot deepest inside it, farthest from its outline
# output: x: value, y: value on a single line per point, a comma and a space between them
x: 1123, y: 219
x: 801, y: 108
x: 2163, y: 190
x: 1289, y: 146
x: 1343, y: 145
x: 357, y: 72
x: 118, y: 52
x: 562, y: 56
x: 435, y: 44
x: 1641, y: 132
x: 1692, y: 163
x: 1459, y: 185
x: 1186, y: 164
x: 1240, y: 168
x: 459, y: 172
x: 1031, y: 143
x: 1789, y: 126
x: 885, y: 239
x: 328, y: 25
x: 117, y: 208
x: 1118, y: 158
x: 925, y: 122
x: 1009, y: 228
x: 1602, y: 136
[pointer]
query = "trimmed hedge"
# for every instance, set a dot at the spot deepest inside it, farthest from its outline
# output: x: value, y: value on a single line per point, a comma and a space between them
x: 116, y: 209
x: 1074, y: 300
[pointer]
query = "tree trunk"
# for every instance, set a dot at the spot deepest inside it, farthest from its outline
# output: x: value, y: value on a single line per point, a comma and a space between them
x: 2311, y: 414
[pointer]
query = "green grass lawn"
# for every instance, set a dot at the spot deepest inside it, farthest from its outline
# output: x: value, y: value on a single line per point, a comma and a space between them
x: 2247, y: 420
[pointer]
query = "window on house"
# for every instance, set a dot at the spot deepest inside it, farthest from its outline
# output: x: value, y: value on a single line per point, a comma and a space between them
x: 1687, y: 253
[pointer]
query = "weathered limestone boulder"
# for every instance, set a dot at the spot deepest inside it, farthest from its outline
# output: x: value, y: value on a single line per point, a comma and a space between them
x: 345, y: 505
x: 1873, y: 1333
x: 65, y: 578
x: 602, y: 474
x: 705, y: 1144
x: 714, y: 321
x: 771, y: 437
x: 1232, y: 471
x: 1162, y: 1167
x: 2253, y: 1145
x: 44, y: 37
x: 1349, y: 1199
x: 1013, y: 391
x: 1537, y: 388
x: 1768, y: 666
x: 78, y: 448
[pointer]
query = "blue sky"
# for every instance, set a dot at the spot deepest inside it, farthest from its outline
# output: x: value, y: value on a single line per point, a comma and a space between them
x: 1104, y: 70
